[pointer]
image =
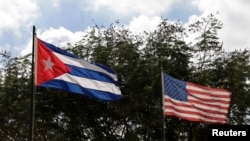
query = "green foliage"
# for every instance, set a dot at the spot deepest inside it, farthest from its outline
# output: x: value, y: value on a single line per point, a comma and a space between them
x: 138, y: 60
x: 14, y: 99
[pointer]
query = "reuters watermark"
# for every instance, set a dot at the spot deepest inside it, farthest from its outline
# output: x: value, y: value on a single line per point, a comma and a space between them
x: 219, y: 131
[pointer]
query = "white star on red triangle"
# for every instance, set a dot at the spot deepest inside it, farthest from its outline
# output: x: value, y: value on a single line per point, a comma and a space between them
x: 48, y: 64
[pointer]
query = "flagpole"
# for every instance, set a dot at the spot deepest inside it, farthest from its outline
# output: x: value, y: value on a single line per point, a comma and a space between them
x: 33, y: 89
x: 163, y: 113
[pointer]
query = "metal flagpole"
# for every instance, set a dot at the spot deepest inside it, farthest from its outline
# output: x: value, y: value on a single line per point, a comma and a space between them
x: 163, y: 113
x: 33, y: 89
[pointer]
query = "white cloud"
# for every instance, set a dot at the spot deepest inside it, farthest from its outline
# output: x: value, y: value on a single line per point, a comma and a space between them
x: 17, y: 14
x: 55, y: 3
x: 126, y: 7
x: 144, y: 23
x: 145, y: 15
x: 234, y: 16
x: 59, y: 37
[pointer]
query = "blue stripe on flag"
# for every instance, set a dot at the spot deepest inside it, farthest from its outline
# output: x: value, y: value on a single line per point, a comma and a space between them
x: 63, y: 52
x: 71, y: 87
x: 108, y: 69
x: 91, y: 74
x: 58, y: 50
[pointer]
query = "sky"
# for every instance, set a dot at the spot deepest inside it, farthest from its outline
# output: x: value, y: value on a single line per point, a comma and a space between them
x: 66, y: 21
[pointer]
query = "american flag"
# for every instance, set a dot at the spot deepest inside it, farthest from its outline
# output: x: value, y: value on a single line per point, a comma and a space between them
x: 194, y: 102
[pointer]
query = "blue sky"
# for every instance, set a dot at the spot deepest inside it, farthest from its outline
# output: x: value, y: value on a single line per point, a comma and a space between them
x: 63, y: 21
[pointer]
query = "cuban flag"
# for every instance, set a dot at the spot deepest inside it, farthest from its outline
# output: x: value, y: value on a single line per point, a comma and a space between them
x: 56, y: 68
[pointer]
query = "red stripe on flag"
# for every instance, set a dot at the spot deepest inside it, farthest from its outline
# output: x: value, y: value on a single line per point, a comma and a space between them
x: 188, y: 111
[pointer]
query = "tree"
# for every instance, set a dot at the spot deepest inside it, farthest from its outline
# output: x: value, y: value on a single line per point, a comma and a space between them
x: 232, y: 72
x: 166, y: 48
x: 138, y: 60
x: 14, y: 99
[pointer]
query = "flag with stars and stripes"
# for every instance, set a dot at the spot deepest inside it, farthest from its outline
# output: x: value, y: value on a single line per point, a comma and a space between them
x: 56, y: 68
x: 194, y: 102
